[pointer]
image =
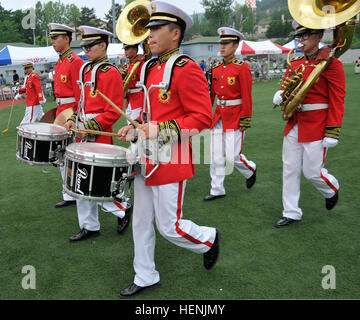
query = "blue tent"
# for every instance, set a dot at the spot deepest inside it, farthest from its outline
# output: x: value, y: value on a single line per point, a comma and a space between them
x: 5, y: 56
x: 12, y: 55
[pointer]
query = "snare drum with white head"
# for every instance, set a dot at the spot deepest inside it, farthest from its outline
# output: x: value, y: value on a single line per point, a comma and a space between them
x: 95, y: 171
x: 41, y: 143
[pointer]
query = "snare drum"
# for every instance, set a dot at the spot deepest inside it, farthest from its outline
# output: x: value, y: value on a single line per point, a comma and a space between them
x: 41, y: 143
x: 93, y: 170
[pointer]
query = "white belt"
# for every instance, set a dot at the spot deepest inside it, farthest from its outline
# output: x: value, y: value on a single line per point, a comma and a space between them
x: 63, y: 101
x: 312, y: 106
x: 228, y: 103
x: 135, y: 90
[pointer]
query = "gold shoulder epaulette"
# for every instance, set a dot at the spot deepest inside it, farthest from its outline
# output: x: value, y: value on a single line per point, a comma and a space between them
x: 297, y: 58
x: 182, y: 62
x: 105, y: 68
x: 238, y: 62
x: 218, y: 64
x: 70, y: 58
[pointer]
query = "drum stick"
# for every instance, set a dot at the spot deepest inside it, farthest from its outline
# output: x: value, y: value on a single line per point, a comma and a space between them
x: 134, y: 123
x: 94, y: 132
x: 4, y: 132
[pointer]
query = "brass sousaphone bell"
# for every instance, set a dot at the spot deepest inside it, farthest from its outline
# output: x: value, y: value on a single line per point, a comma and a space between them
x: 318, y: 14
x: 130, y: 29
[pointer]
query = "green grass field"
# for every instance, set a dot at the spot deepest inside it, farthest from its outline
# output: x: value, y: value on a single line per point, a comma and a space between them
x: 257, y: 260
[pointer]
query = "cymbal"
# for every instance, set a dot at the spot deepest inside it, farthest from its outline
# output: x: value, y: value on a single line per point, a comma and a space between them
x: 63, y: 117
x: 49, y: 116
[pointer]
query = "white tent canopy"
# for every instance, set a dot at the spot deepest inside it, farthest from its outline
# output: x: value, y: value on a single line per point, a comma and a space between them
x: 114, y: 51
x: 266, y: 47
x: 18, y: 55
x: 259, y: 48
x: 293, y: 44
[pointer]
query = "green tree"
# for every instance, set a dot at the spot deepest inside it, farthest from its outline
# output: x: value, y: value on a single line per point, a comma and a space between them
x: 88, y: 17
x: 278, y: 29
x: 242, y: 17
x: 218, y: 13
x: 109, y: 18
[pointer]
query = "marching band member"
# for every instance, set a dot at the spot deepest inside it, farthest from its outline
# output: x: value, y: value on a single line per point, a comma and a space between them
x: 66, y: 90
x: 312, y: 129
x: 134, y: 95
x: 231, y: 83
x: 183, y: 108
x: 34, y: 95
x: 100, y: 116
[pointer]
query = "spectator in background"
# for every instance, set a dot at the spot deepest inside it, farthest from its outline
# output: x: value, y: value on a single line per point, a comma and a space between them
x: 202, y: 65
x: 43, y: 78
x: 2, y: 80
x: 264, y: 70
x: 51, y: 80
x: 275, y: 65
x: 15, y: 77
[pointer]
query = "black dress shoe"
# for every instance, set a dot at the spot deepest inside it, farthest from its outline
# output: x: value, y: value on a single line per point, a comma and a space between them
x: 284, y: 222
x: 64, y: 203
x: 210, y: 197
x: 135, y: 289
x: 331, y: 202
x: 251, y: 181
x: 83, y: 235
x: 211, y: 256
x: 124, y: 222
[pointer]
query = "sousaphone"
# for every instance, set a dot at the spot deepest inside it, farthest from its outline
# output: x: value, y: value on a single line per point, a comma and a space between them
x: 318, y: 14
x: 130, y: 29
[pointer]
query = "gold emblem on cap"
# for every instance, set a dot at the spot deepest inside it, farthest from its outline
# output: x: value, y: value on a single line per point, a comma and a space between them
x: 222, y: 31
x: 153, y: 7
x: 82, y: 32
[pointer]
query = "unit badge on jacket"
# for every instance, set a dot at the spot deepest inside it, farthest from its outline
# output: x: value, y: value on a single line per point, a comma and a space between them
x: 164, y: 97
x: 231, y: 81
x: 63, y: 78
x: 93, y: 94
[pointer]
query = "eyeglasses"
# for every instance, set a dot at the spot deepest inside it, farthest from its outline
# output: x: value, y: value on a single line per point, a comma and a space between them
x: 305, y: 36
x: 89, y: 46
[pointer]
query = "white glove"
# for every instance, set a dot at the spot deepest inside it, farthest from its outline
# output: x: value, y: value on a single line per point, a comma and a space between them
x: 17, y: 97
x: 44, y: 101
x: 277, y: 97
x: 329, y: 142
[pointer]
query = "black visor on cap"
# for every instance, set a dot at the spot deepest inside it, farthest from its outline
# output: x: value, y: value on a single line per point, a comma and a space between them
x: 155, y: 23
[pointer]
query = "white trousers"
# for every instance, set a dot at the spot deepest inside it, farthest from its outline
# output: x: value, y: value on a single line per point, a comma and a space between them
x: 66, y: 197
x: 226, y: 152
x: 88, y: 212
x: 162, y: 205
x: 32, y: 114
x: 310, y: 158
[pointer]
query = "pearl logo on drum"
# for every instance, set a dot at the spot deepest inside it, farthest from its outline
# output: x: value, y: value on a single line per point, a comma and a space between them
x: 81, y: 174
x: 27, y: 146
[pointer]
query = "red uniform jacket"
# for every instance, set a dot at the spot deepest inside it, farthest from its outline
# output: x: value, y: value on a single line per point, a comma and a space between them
x: 330, y: 89
x: 185, y: 107
x: 66, y: 74
x: 232, y: 80
x: 109, y: 82
x: 33, y: 90
x: 136, y: 99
